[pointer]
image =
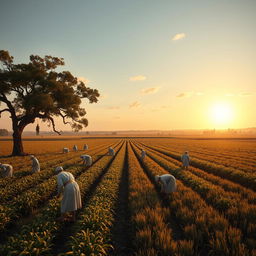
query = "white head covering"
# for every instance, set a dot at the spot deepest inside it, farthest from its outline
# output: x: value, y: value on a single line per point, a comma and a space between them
x: 157, y: 177
x: 32, y: 156
x: 58, y: 169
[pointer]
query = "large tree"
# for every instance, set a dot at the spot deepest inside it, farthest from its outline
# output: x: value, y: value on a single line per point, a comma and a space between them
x: 38, y: 90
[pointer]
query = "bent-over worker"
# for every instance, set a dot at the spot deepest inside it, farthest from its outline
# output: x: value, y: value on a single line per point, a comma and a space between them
x: 71, y: 200
x: 87, y: 160
x: 6, y: 170
x: 167, y: 183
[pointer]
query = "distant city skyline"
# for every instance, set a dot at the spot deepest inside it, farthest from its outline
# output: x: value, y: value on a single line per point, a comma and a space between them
x: 158, y: 65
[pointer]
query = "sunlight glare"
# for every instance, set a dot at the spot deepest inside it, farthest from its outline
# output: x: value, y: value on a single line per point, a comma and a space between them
x: 222, y: 114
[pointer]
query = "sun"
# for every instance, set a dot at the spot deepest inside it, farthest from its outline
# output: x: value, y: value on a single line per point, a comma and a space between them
x: 221, y: 114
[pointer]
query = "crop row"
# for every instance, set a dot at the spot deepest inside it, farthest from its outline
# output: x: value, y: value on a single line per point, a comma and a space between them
x: 44, y: 162
x: 209, y: 230
x: 36, y: 238
x: 242, y: 193
x: 239, y: 213
x: 229, y: 158
x: 25, y: 168
x: 246, y: 179
x: 93, y: 230
x: 152, y: 220
x: 240, y: 149
x: 28, y: 182
x: 31, y: 199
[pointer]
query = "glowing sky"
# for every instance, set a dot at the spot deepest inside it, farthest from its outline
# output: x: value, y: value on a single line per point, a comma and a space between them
x: 157, y: 64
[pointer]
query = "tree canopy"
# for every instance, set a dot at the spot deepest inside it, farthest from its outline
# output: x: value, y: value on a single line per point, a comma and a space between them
x: 38, y: 90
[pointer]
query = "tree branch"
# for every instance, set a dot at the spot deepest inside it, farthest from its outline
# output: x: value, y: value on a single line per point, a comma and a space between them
x: 11, y: 109
x: 64, y: 118
x: 3, y: 110
x: 53, y: 124
x: 20, y: 91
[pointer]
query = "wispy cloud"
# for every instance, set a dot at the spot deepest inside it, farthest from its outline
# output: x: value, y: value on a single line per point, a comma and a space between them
x: 178, y: 36
x: 135, y: 104
x: 245, y: 94
x: 230, y: 95
x: 112, y: 107
x: 137, y: 78
x: 184, y: 95
x: 117, y: 117
x: 83, y: 79
x: 150, y: 90
x: 189, y: 94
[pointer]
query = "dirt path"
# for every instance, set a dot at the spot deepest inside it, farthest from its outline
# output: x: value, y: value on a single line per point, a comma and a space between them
x: 121, y: 230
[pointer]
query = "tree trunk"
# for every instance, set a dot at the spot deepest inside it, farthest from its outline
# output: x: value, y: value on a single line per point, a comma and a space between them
x: 17, y: 149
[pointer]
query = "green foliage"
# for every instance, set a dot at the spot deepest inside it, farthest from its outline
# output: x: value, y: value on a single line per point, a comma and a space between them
x: 36, y: 238
x: 37, y: 90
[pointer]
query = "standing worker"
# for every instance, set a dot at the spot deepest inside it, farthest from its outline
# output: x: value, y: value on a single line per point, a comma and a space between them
x: 71, y: 200
x: 6, y: 170
x: 167, y: 183
x: 111, y: 151
x: 185, y: 160
x: 35, y: 164
x: 143, y: 154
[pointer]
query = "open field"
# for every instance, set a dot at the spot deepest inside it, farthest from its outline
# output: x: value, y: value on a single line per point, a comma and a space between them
x: 213, y: 211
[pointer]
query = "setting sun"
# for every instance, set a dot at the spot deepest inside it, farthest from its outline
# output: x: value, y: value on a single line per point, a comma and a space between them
x: 222, y: 114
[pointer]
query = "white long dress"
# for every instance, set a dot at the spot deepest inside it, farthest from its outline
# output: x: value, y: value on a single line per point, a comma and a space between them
x: 185, y: 160
x: 168, y: 183
x: 71, y: 200
x: 35, y: 165
x: 6, y: 170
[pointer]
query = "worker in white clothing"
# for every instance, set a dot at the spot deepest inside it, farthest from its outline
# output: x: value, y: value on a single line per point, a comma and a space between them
x: 71, y: 200
x: 143, y: 154
x: 111, y: 151
x: 167, y: 183
x: 185, y: 160
x: 87, y: 160
x: 6, y: 170
x: 35, y: 164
